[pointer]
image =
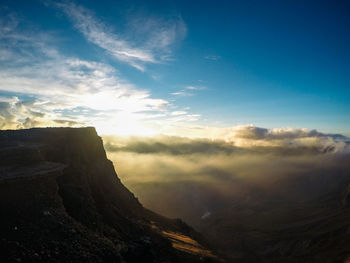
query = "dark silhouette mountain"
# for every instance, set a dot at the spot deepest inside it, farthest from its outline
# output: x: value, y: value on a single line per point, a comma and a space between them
x: 61, y: 201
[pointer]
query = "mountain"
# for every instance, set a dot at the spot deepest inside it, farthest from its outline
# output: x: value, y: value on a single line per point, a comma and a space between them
x: 61, y: 201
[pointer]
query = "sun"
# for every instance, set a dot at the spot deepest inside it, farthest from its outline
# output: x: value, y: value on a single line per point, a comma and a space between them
x: 119, y: 116
x: 124, y: 124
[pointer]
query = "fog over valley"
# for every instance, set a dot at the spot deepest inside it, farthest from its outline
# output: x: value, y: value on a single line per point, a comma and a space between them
x: 257, y: 187
x: 191, y: 177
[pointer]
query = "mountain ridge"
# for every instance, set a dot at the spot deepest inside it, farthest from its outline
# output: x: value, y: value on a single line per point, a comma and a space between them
x: 63, y: 201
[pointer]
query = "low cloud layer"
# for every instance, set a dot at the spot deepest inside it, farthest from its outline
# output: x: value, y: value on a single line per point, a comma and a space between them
x: 191, y: 177
x: 237, y: 139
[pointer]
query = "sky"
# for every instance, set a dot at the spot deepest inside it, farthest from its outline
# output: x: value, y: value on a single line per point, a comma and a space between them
x: 185, y: 68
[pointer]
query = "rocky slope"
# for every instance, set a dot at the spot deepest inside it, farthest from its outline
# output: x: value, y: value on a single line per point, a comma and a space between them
x: 61, y: 201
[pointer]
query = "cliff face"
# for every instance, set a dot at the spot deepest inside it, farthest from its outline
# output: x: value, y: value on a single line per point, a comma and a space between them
x: 61, y: 201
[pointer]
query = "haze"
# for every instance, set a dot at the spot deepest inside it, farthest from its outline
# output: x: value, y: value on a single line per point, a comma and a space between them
x: 231, y: 115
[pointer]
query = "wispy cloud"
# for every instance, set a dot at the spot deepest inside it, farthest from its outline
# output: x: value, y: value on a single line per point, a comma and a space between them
x: 176, y: 113
x: 212, y: 57
x: 183, y: 118
x: 42, y: 87
x: 182, y: 93
x: 196, y: 88
x: 188, y: 91
x: 158, y: 36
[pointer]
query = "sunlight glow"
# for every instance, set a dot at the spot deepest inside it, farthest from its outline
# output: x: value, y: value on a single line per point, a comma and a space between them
x: 120, y: 115
x: 101, y: 101
x: 124, y: 124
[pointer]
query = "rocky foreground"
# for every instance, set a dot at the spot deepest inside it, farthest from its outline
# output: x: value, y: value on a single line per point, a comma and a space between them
x: 61, y: 201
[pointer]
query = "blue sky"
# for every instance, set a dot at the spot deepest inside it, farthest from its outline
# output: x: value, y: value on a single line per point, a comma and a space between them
x: 148, y: 67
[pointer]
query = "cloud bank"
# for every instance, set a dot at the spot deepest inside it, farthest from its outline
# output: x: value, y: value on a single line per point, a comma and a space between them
x: 192, y: 177
x: 235, y: 139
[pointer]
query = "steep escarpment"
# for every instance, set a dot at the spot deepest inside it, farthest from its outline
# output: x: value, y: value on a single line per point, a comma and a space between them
x: 61, y: 201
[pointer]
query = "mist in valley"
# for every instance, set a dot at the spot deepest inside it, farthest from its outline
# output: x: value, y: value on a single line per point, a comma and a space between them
x: 227, y: 188
x: 191, y: 178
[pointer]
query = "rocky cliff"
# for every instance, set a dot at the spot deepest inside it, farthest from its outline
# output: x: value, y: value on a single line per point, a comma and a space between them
x: 61, y: 201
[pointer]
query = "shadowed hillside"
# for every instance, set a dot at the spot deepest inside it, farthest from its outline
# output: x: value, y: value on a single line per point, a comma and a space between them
x: 61, y: 201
